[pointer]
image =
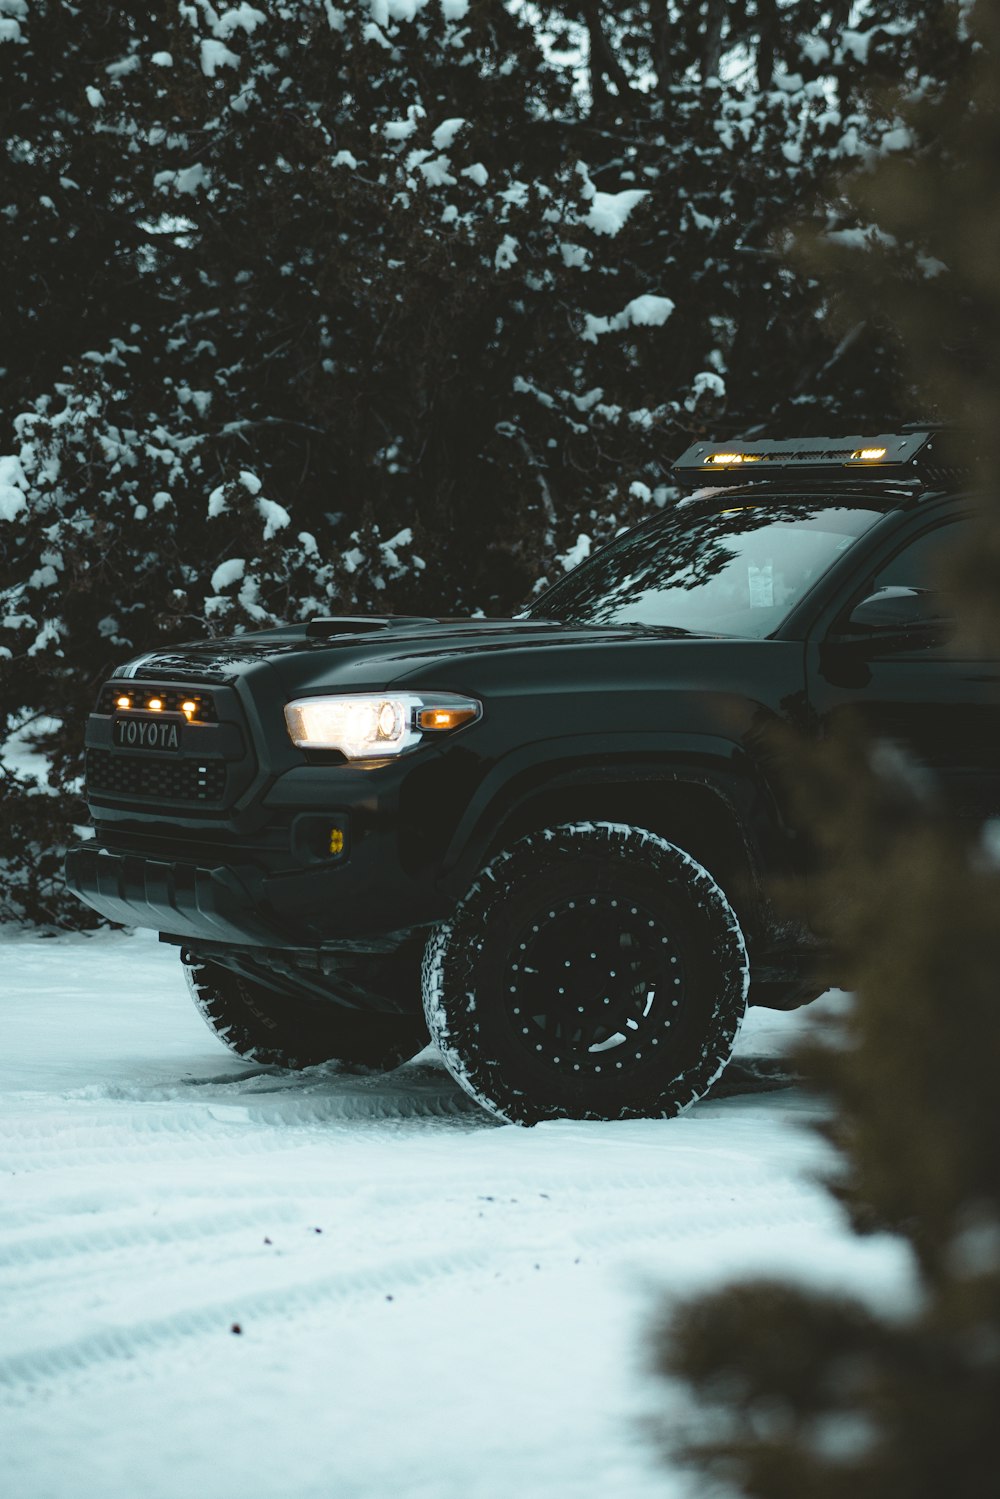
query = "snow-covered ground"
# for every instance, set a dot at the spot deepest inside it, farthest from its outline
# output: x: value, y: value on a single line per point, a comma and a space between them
x: 429, y: 1305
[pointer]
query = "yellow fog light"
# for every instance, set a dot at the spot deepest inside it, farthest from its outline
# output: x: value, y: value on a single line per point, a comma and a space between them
x: 336, y: 841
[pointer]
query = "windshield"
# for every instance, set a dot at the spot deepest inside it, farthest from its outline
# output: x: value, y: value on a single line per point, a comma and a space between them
x: 739, y: 571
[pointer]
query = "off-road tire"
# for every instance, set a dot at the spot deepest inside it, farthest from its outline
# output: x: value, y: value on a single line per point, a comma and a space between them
x: 655, y: 968
x: 278, y: 1030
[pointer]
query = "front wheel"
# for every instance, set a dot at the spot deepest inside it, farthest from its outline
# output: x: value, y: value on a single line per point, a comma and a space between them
x: 593, y: 971
x: 283, y: 1030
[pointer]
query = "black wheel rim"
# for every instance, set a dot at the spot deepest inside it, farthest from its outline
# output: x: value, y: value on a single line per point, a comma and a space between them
x: 595, y: 987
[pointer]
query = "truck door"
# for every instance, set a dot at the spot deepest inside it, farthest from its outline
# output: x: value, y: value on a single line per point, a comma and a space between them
x: 891, y: 658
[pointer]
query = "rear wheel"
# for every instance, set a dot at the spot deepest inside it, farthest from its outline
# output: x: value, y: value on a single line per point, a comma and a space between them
x: 283, y: 1030
x: 593, y: 971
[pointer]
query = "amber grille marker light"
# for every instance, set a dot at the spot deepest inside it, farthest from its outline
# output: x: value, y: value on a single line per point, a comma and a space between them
x: 155, y: 705
x: 124, y: 702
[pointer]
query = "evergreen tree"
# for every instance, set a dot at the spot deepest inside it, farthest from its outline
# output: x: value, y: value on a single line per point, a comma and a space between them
x: 820, y: 1395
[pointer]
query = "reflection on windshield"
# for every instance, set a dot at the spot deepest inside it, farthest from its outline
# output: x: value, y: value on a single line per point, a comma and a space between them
x: 727, y: 572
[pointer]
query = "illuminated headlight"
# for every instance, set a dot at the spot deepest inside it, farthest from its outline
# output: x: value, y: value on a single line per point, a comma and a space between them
x: 370, y: 725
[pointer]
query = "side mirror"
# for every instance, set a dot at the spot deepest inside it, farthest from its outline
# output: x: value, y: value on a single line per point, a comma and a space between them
x: 895, y: 611
x: 889, y: 620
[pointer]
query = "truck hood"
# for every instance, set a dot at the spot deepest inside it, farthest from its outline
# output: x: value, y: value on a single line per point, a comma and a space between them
x: 373, y: 651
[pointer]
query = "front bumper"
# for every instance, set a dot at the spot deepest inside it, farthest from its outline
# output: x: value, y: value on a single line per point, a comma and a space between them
x: 222, y: 904
x: 363, y: 902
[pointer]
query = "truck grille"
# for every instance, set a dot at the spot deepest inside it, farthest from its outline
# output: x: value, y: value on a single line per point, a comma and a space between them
x: 156, y: 777
x: 172, y: 699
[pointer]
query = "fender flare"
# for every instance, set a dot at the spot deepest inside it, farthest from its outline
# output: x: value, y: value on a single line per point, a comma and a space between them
x: 718, y: 764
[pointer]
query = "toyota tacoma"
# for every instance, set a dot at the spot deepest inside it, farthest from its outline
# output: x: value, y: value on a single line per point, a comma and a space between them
x: 547, y: 842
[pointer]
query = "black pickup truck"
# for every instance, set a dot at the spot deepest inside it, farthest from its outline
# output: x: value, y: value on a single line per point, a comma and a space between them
x: 549, y: 840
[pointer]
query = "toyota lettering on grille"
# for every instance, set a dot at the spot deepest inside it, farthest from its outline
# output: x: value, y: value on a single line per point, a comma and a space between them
x: 147, y: 734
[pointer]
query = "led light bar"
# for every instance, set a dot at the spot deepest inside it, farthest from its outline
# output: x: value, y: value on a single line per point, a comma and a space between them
x: 890, y: 455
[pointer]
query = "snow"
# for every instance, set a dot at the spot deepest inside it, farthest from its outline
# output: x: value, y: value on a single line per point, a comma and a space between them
x: 217, y: 502
x: 431, y: 1305
x: 705, y: 383
x: 573, y: 255
x: 18, y: 754
x: 187, y: 180
x: 856, y: 43
x: 815, y: 48
x: 506, y: 254
x: 123, y: 67
x: 647, y: 311
x: 384, y: 11
x: 578, y: 552
x: 858, y: 238
x: 215, y: 55
x: 446, y: 132
x: 238, y: 18
x: 228, y: 572
x: 437, y: 173
x: 609, y: 211
x: 12, y: 486
x: 900, y: 138
x: 275, y: 516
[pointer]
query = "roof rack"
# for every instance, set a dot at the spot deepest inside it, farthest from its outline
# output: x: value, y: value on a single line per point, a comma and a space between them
x: 909, y: 453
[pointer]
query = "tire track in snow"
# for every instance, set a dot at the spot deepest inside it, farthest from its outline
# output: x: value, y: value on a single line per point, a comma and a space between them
x: 134, y: 1131
x: 113, y: 1344
x: 670, y: 1230
x: 119, y: 1236
x: 518, y: 1257
x: 267, y: 1205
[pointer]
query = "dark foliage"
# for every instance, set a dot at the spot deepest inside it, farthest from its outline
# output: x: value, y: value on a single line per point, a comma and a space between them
x: 32, y: 887
x: 809, y: 1394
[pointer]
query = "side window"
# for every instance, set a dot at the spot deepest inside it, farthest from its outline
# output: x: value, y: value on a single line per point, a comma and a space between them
x: 918, y: 565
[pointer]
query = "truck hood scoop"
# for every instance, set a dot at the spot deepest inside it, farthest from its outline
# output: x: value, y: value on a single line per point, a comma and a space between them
x: 324, y: 626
